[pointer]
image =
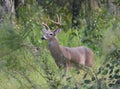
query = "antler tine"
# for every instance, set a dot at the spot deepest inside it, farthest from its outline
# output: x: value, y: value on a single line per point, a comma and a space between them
x: 45, y: 24
x: 58, y: 20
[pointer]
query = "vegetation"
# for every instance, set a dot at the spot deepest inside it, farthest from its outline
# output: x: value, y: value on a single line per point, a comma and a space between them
x: 25, y: 62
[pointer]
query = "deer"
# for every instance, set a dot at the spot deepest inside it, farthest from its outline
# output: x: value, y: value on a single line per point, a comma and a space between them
x: 66, y: 57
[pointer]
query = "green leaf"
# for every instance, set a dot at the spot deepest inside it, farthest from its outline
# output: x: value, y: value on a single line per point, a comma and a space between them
x: 93, y: 78
x: 111, y: 71
x: 87, y: 81
x: 105, y: 72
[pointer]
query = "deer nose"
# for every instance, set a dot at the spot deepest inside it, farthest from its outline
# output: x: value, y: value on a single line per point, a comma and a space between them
x: 42, y: 38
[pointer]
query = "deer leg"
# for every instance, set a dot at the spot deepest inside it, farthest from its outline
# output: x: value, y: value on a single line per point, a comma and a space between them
x: 65, y: 72
x: 86, y: 70
x: 90, y: 71
x: 67, y: 65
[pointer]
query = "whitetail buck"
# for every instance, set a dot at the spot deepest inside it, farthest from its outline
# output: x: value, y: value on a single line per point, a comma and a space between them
x: 65, y: 56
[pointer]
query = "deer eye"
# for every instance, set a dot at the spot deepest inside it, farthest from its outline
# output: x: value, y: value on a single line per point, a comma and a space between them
x: 51, y: 34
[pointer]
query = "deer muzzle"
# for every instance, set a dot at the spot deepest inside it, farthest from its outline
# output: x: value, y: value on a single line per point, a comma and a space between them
x: 44, y: 38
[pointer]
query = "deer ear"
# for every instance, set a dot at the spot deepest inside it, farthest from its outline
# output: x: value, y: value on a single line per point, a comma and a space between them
x: 44, y: 30
x: 57, y: 31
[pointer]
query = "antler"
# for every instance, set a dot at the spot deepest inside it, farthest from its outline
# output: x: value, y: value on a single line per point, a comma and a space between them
x: 45, y: 24
x: 58, y: 22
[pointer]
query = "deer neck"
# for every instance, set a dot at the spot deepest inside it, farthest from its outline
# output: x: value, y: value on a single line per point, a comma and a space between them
x: 57, y: 52
x: 53, y: 45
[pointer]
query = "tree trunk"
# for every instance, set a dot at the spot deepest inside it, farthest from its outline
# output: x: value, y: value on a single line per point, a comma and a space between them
x: 76, y: 5
x: 7, y: 7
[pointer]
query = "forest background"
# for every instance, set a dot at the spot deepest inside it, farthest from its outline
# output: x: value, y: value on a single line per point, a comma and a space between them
x: 25, y: 62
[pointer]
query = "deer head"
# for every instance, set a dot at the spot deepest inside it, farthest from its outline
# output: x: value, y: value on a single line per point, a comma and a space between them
x: 49, y: 34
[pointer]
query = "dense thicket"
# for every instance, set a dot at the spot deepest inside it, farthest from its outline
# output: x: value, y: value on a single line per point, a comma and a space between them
x: 25, y: 62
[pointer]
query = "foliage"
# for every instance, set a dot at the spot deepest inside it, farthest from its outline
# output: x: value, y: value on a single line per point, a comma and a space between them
x: 9, y: 39
x: 25, y: 62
